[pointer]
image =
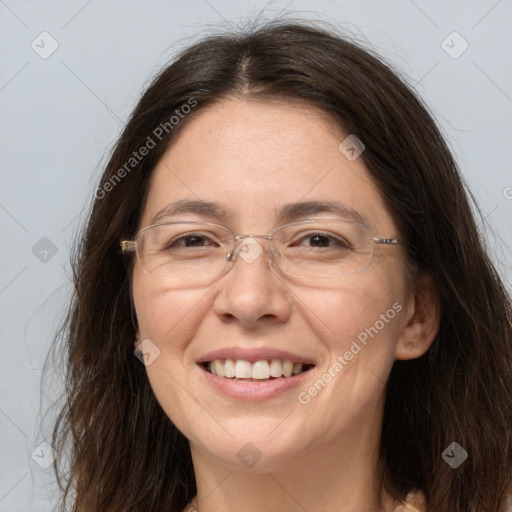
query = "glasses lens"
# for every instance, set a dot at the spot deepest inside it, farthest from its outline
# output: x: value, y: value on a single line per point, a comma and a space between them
x: 313, y: 249
x: 184, y: 250
x: 323, y: 248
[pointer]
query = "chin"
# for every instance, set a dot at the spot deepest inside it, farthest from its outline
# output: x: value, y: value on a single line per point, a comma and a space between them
x: 250, y: 446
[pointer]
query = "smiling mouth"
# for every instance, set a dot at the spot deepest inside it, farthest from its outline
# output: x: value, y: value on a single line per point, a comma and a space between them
x: 261, y: 370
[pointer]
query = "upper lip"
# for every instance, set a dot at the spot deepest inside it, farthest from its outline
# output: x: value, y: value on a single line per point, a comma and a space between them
x: 254, y: 354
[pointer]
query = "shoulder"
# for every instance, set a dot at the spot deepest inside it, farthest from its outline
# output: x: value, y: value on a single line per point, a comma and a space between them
x: 414, y: 502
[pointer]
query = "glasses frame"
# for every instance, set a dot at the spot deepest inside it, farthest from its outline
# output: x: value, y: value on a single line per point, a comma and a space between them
x: 128, y: 246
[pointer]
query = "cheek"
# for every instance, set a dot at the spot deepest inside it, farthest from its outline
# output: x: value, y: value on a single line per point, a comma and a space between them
x: 169, y: 318
x: 166, y: 313
x: 358, y: 322
x: 343, y: 311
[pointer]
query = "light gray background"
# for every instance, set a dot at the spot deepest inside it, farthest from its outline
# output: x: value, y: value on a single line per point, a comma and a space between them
x: 60, y: 114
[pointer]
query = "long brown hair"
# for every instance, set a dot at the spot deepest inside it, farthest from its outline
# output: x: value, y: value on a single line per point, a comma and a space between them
x: 124, y: 454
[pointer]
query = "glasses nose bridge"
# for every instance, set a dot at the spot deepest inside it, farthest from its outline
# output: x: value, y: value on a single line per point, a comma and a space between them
x: 266, y: 237
x: 232, y: 255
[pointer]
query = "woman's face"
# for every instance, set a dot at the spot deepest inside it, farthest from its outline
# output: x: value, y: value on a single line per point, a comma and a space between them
x: 251, y: 159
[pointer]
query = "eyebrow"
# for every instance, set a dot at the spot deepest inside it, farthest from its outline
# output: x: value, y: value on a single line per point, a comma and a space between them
x: 286, y: 213
x: 197, y: 206
x: 293, y: 211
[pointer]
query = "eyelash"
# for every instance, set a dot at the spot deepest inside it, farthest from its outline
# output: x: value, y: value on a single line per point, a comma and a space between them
x: 175, y: 242
x: 331, y: 238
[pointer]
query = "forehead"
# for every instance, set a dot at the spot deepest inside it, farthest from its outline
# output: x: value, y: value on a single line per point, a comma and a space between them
x: 253, y: 159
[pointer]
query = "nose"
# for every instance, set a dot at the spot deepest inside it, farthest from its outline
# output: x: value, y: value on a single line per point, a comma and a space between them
x: 251, y: 292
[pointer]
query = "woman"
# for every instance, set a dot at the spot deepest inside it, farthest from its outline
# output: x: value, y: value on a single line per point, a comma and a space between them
x: 283, y: 239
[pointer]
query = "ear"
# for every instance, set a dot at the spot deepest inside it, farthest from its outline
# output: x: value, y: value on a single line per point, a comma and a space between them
x: 422, y: 323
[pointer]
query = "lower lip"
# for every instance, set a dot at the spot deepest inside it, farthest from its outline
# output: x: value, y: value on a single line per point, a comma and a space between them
x: 253, y: 390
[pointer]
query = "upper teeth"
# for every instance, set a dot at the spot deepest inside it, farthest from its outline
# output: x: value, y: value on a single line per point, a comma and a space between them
x: 263, y: 369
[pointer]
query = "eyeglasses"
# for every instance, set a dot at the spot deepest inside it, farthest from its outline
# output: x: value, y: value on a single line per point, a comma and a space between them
x: 317, y: 249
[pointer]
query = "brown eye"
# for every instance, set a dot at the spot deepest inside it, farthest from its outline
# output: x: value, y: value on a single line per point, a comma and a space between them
x: 322, y: 240
x: 190, y: 240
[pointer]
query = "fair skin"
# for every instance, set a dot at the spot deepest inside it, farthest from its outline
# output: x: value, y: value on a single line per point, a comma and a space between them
x: 251, y: 158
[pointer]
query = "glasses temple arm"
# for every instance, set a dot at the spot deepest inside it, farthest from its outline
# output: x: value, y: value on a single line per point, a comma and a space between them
x: 127, y: 246
x: 388, y: 241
